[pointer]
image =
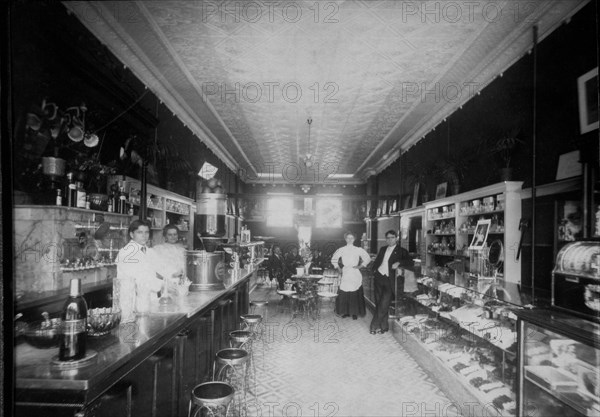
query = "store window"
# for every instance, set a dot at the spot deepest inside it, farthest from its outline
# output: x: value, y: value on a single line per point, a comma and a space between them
x: 280, y: 212
x: 329, y: 212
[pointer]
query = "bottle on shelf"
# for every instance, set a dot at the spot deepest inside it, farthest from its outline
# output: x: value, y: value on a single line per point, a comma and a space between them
x: 114, y: 197
x: 71, y: 191
x: 74, y: 322
x: 122, y: 201
x: 59, y: 197
x: 81, y: 195
x: 110, y: 207
x: 87, y: 202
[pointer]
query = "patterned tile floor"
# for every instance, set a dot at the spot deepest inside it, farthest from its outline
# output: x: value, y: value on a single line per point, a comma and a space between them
x: 334, y: 367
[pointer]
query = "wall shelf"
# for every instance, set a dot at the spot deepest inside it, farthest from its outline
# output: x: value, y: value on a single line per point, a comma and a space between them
x: 465, y: 209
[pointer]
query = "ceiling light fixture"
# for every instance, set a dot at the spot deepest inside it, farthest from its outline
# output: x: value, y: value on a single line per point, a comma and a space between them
x: 305, y: 188
x: 308, y: 158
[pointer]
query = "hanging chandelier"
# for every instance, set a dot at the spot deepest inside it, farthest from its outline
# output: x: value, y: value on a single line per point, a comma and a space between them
x: 308, y: 158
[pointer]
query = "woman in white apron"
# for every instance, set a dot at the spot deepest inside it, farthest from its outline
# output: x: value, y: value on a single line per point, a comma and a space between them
x: 349, y: 259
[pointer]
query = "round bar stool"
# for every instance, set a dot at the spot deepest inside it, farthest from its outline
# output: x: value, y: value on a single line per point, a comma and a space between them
x: 210, y: 399
x: 242, y: 339
x: 285, y: 304
x: 264, y: 304
x: 252, y: 323
x: 330, y: 297
x: 231, y: 366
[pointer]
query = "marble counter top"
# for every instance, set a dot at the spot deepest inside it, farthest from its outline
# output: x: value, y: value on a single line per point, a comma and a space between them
x: 118, y: 353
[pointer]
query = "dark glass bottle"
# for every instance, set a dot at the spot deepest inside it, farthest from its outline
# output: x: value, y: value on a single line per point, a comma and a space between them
x: 122, y: 201
x: 110, y: 208
x: 71, y: 191
x: 74, y: 323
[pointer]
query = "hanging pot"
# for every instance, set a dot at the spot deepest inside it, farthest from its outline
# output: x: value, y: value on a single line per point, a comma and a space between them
x: 54, y: 167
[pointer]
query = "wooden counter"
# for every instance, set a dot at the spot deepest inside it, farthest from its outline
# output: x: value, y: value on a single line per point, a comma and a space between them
x: 41, y: 386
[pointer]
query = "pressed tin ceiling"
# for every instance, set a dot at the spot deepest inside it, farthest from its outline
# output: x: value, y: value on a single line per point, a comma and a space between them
x: 375, y: 76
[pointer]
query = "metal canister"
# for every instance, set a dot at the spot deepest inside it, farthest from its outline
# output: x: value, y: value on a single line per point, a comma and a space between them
x: 210, y: 215
x: 202, y: 270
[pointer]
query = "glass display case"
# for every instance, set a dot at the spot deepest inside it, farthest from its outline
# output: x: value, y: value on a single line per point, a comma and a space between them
x: 470, y: 327
x: 559, y: 358
x: 576, y: 279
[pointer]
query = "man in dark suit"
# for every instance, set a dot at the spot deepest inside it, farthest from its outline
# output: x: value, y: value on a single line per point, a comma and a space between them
x: 389, y: 259
x: 277, y: 267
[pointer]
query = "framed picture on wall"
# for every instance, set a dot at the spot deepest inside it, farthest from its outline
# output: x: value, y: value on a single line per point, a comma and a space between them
x: 569, y: 165
x: 481, y: 233
x: 587, y: 92
x: 440, y: 191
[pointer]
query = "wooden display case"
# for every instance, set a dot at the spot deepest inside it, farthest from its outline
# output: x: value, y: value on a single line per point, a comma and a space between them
x: 450, y: 226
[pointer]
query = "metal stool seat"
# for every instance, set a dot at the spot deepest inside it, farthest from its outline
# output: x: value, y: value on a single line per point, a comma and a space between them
x: 243, y: 339
x: 232, y: 356
x: 326, y: 296
x: 211, y: 399
x: 264, y: 304
x: 252, y: 323
x: 261, y: 304
x: 251, y: 319
x: 240, y: 338
x: 231, y: 366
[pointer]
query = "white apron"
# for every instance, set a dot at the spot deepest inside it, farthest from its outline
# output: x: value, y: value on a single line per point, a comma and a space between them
x: 351, y: 257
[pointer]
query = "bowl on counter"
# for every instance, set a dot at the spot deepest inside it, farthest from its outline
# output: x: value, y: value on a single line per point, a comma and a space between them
x: 101, y: 321
x: 43, y: 334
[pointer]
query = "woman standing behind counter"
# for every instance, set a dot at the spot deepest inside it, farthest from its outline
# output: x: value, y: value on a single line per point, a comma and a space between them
x: 171, y: 256
x: 136, y: 272
x: 350, y: 299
